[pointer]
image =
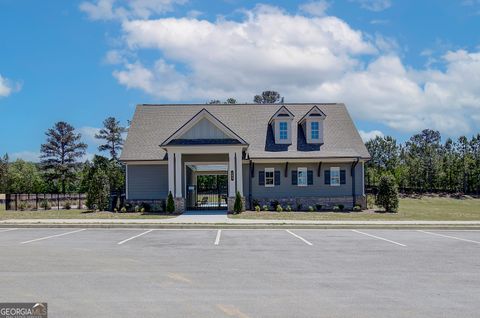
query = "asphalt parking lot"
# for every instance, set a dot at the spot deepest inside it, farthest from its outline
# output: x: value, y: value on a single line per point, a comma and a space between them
x: 242, y: 273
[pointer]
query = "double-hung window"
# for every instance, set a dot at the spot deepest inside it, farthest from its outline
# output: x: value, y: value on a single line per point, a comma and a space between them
x: 315, y: 130
x: 334, y: 176
x: 283, y: 128
x: 269, y: 177
x: 302, y: 180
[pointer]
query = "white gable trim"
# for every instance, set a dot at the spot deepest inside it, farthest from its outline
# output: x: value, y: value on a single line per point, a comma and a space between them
x: 195, y: 119
x: 313, y: 110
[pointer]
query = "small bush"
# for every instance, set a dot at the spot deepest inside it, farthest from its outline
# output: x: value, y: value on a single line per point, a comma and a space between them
x: 289, y: 208
x: 146, y: 207
x: 336, y: 208
x: 170, y: 203
x: 67, y: 205
x: 357, y: 208
x: 341, y: 207
x: 123, y: 209
x: 45, y: 205
x: 299, y: 207
x: 279, y: 208
x: 137, y: 208
x: 265, y: 208
x: 115, y: 210
x: 257, y: 208
x: 274, y: 204
x: 142, y: 210
x: 318, y: 207
x: 238, y: 205
x: 255, y: 202
x: 310, y: 208
x: 22, y: 206
x: 387, y: 196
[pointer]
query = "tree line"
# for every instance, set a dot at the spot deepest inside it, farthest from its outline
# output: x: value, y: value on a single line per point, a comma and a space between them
x: 426, y: 164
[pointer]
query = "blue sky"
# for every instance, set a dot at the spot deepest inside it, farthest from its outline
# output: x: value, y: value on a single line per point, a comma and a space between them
x: 399, y: 65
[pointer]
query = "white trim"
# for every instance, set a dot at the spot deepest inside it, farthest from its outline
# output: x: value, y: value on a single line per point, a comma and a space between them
x: 178, y: 175
x: 171, y: 173
x: 304, y: 169
x: 239, y: 172
x: 306, y: 160
x: 331, y: 177
x: 363, y: 178
x: 273, y: 177
x: 231, y: 171
x: 145, y: 162
x: 204, y: 149
x: 126, y: 181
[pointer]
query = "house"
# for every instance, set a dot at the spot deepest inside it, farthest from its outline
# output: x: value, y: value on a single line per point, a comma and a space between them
x: 298, y: 154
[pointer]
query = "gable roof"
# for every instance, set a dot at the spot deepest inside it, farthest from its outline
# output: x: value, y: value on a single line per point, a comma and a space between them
x: 281, y: 109
x: 202, y: 114
x: 153, y: 124
x: 313, y: 109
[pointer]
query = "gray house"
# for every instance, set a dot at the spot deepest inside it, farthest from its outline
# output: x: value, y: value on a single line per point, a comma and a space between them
x: 295, y: 154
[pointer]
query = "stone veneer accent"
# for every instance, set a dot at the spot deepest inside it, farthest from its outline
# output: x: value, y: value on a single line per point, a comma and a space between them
x: 231, y: 204
x: 326, y: 202
x: 179, y: 205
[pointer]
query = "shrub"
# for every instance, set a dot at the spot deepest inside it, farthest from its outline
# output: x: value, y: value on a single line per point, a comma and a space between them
x: 274, y: 204
x: 310, y: 208
x: 299, y: 207
x: 341, y: 207
x: 318, y: 207
x: 67, y: 205
x: 387, y: 196
x: 137, y: 208
x: 336, y: 208
x: 257, y: 208
x: 170, y: 203
x: 22, y: 206
x: 142, y: 210
x: 45, y: 205
x: 98, y: 194
x: 238, y: 205
x: 115, y: 210
x: 279, y: 208
x: 265, y: 208
x: 123, y: 209
x: 146, y: 207
x: 255, y: 202
x: 289, y: 208
x: 357, y: 208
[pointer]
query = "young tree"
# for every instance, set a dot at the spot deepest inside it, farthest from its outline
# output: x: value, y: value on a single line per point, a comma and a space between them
x: 238, y: 205
x: 60, y: 154
x: 4, y: 174
x: 170, y: 203
x: 98, y: 191
x: 111, y: 133
x: 24, y: 177
x: 267, y: 97
x: 231, y: 101
x: 387, y: 196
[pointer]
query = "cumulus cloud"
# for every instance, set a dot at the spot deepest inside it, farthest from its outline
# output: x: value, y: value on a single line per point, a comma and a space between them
x: 26, y: 155
x: 374, y: 5
x: 368, y: 135
x: 7, y: 87
x: 88, y: 133
x: 315, y: 8
x: 127, y: 9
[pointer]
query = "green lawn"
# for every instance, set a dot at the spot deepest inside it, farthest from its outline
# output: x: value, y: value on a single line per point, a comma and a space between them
x: 78, y: 214
x: 426, y: 208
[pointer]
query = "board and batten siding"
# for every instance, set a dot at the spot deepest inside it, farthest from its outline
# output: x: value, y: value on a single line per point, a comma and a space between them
x: 317, y: 189
x: 147, y: 182
x: 204, y: 129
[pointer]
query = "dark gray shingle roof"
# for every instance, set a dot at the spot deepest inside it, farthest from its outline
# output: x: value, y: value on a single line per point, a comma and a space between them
x: 152, y: 124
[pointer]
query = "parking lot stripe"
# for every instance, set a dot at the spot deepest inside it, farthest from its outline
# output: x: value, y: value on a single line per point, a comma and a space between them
x: 299, y: 237
x: 51, y: 236
x: 380, y: 238
x: 217, y: 239
x: 449, y: 236
x: 7, y: 230
x: 131, y: 238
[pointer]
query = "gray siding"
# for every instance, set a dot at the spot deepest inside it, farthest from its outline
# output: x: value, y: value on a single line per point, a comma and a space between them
x: 318, y: 189
x: 147, y: 182
x: 204, y: 129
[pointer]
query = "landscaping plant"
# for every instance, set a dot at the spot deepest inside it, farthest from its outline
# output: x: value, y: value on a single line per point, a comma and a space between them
x: 387, y: 196
x: 170, y: 203
x: 279, y: 208
x: 238, y: 206
x: 257, y: 208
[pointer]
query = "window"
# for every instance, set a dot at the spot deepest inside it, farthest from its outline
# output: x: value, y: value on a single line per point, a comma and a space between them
x: 302, y: 177
x: 269, y: 177
x: 314, y: 129
x: 334, y: 176
x: 283, y: 130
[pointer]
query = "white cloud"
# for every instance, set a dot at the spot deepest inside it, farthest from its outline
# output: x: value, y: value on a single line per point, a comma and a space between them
x: 7, y: 87
x: 305, y: 58
x: 26, y: 155
x: 367, y: 135
x: 315, y: 8
x: 127, y: 9
x: 88, y: 134
x: 374, y: 5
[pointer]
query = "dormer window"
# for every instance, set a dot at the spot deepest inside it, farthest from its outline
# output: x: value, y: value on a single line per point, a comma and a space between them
x: 281, y: 124
x: 312, y: 124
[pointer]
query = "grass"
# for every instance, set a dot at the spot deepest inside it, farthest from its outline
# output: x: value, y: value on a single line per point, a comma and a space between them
x: 426, y: 208
x: 79, y: 214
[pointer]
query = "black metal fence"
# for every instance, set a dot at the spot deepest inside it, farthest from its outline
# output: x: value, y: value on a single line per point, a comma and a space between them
x: 44, y: 201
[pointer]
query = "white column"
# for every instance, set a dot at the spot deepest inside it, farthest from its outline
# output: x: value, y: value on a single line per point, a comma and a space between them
x: 239, y: 173
x: 231, y: 172
x: 178, y: 175
x: 171, y: 173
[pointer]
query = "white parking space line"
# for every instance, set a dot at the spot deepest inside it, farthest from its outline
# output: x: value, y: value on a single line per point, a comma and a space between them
x: 51, y: 236
x: 299, y: 237
x: 7, y: 230
x: 217, y: 239
x: 449, y: 236
x: 379, y: 238
x: 131, y: 238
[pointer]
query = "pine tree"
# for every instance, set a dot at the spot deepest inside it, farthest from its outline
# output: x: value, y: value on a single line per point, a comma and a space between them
x: 111, y: 133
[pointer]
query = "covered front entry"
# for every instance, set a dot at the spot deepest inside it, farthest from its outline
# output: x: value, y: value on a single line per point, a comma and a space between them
x: 207, y: 186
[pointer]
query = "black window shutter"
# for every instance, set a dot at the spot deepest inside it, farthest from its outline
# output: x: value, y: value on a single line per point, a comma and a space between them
x: 327, y: 176
x: 261, y: 178
x: 310, y: 177
x: 342, y: 177
x: 294, y: 177
x: 277, y: 177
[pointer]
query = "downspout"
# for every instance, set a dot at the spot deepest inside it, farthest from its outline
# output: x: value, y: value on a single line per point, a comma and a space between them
x: 352, y: 173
